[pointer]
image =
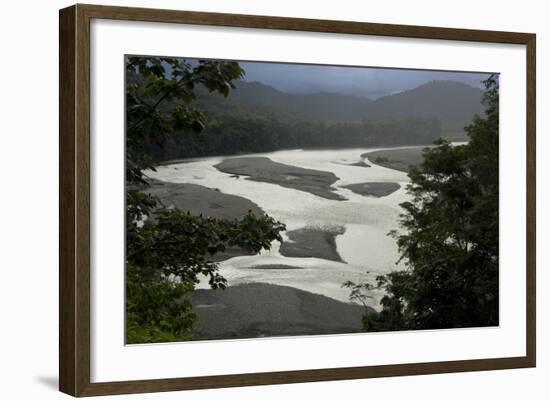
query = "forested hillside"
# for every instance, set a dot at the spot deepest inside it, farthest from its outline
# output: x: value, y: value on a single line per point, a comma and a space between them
x: 234, y: 134
x: 258, y: 118
x: 453, y: 103
x: 255, y: 96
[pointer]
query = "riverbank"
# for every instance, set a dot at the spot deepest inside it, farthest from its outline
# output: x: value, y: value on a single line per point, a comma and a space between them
x: 267, y: 310
x: 208, y: 202
x: 263, y: 169
x: 196, y: 158
x: 396, y: 159
x: 200, y: 200
x: 310, y: 261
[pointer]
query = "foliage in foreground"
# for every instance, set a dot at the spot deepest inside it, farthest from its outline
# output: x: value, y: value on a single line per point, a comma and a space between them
x: 450, y: 244
x: 166, y: 258
x: 168, y: 250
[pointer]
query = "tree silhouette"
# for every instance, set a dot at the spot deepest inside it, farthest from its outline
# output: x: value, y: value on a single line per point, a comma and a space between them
x: 450, y: 244
x: 167, y: 250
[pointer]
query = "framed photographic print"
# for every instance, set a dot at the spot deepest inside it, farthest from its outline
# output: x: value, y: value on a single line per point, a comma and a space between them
x: 250, y: 200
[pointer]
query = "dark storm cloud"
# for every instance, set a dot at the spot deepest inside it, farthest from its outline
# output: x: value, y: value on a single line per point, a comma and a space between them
x: 371, y: 82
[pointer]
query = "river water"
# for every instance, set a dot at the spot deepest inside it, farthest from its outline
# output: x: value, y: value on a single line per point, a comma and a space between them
x: 365, y: 247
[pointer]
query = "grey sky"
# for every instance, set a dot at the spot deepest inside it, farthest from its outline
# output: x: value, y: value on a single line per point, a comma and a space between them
x: 370, y: 82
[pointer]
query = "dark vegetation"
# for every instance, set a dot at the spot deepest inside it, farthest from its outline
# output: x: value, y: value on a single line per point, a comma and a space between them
x: 207, y: 202
x: 453, y: 103
x: 234, y: 134
x: 450, y: 244
x: 176, y: 109
x: 258, y: 118
x: 167, y: 249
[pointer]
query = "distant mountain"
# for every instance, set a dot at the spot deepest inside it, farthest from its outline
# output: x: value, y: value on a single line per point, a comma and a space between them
x: 453, y: 103
x: 322, y: 105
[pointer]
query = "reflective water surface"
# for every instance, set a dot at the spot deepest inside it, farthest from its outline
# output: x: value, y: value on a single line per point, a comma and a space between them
x: 365, y: 247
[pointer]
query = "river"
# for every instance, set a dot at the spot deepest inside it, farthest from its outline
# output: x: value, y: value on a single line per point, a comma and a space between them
x: 364, y: 246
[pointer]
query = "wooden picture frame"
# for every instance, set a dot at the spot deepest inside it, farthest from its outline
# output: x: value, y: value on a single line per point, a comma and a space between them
x: 74, y: 204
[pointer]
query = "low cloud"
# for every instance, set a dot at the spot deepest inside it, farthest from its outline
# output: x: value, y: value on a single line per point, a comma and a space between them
x: 369, y: 82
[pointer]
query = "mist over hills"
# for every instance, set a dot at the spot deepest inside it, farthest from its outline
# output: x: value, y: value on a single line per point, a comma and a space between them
x: 321, y: 105
x: 256, y: 117
x: 371, y: 82
x: 453, y: 103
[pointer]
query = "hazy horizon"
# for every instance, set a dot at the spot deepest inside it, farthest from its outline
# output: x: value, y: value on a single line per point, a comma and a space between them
x: 360, y: 81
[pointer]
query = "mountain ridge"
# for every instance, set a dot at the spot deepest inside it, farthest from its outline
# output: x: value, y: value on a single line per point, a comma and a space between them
x: 452, y: 102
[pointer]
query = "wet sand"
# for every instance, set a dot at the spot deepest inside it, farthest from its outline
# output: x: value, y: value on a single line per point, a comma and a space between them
x: 397, y: 159
x: 197, y: 200
x: 263, y: 169
x: 376, y: 189
x: 266, y: 310
x: 292, y: 304
x: 312, y: 243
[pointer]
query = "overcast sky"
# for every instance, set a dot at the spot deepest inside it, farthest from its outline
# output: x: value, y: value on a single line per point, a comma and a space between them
x: 370, y: 82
